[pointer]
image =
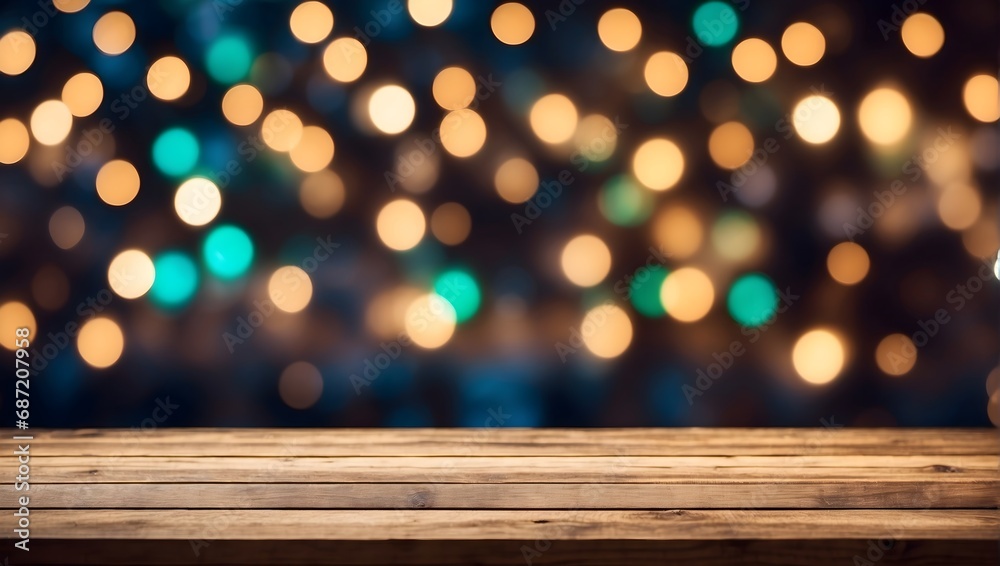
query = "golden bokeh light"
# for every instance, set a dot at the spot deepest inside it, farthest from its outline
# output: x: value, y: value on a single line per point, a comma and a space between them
x: 885, y: 116
x: 736, y: 237
x: 429, y: 13
x: 385, y: 314
x: 586, y: 260
x: 959, y: 206
x: 848, y: 263
x: 451, y: 223
x: 512, y: 23
x: 463, y: 132
x: 281, y: 130
x: 66, y: 227
x: 401, y: 225
x: 619, y: 29
x: 311, y: 22
x: 114, y: 33
x: 14, y: 315
x: 322, y: 194
x: 982, y: 238
x: 730, y: 145
x: 818, y: 356
x: 83, y: 94
x: 553, y: 118
x: 131, y: 274
x: 51, y: 122
x: 816, y: 119
x: 345, y: 59
x: 70, y: 6
x: 314, y: 150
x: 242, y: 105
x: 606, y: 331
x: 687, y: 294
x: 391, y: 109
x: 454, y: 88
x: 922, y: 34
x: 666, y: 73
x: 896, y: 354
x: 803, y: 44
x: 980, y: 97
x: 14, y: 141
x: 117, y: 182
x: 658, y: 164
x: 100, y: 342
x: 17, y: 52
x: 168, y: 78
x: 430, y: 321
x: 290, y: 288
x: 678, y: 232
x: 300, y: 385
x: 754, y: 60
x: 197, y: 201
x: 516, y: 180
x: 596, y: 137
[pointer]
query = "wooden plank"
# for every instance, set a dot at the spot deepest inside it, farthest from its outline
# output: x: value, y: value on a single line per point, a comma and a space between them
x: 539, y: 552
x: 533, y: 469
x: 512, y: 442
x: 513, y: 525
x: 817, y: 494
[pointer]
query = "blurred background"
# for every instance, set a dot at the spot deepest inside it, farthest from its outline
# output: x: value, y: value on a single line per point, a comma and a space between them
x: 427, y: 213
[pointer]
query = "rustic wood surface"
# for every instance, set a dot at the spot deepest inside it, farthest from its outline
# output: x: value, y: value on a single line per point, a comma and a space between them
x: 605, y: 496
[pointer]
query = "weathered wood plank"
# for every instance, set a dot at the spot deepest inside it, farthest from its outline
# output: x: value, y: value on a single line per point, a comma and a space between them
x: 529, y: 469
x: 512, y: 442
x: 513, y: 525
x: 815, y: 494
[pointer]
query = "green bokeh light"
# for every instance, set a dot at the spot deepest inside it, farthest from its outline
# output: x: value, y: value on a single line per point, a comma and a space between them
x: 229, y: 59
x: 715, y: 23
x: 175, y: 152
x: 228, y: 252
x: 176, y: 280
x: 645, y: 287
x: 623, y: 202
x: 752, y: 299
x: 460, y: 289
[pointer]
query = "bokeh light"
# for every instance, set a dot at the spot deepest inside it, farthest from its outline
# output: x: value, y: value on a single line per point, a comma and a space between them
x: 980, y: 96
x: 229, y: 58
x: 114, y: 33
x: 658, y: 164
x: 816, y: 119
x: 131, y: 274
x: 623, y: 202
x: 430, y: 321
x: 678, y: 231
x: 290, y: 288
x: 619, y: 29
x: 227, y: 252
x: 281, y: 130
x: 715, y: 23
x: 803, y: 44
x: 463, y: 132
x: 553, y: 118
x: 51, y: 122
x: 754, y: 60
x: 345, y: 59
x: 752, y: 299
x: 314, y: 150
x: 512, y: 23
x: 300, y: 385
x: 730, y: 145
x: 117, y: 182
x: 959, y: 206
x: 66, y: 226
x: 100, y: 342
x: 818, y: 356
x: 14, y: 315
x: 242, y: 105
x: 516, y: 180
x: 666, y: 73
x: 176, y: 152
x: 17, y: 52
x: 176, y: 280
x: 736, y: 236
x: 460, y: 289
x: 586, y: 260
x: 14, y: 141
x: 197, y: 201
x: 83, y: 94
x: 454, y: 88
x: 391, y: 109
x: 596, y: 137
x: 70, y: 6
x: 451, y: 223
x: 848, y: 263
x: 311, y: 22
x: 401, y: 225
x: 896, y: 354
x: 322, y: 194
x: 645, y: 288
x: 687, y: 294
x: 429, y: 13
x: 885, y: 116
x: 606, y: 331
x: 168, y: 78
x: 922, y: 34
